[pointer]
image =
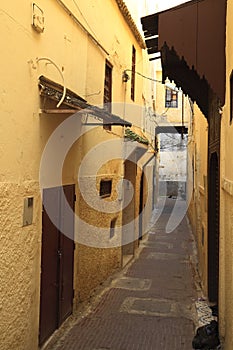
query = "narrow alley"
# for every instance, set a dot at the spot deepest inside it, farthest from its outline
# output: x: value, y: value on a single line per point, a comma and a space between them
x: 150, y: 304
x: 116, y: 175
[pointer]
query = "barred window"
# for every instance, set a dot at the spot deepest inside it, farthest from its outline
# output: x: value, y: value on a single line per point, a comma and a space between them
x: 108, y: 87
x: 171, y: 98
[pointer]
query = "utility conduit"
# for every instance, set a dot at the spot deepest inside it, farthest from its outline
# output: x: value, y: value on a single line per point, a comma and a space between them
x: 61, y: 74
x: 75, y: 19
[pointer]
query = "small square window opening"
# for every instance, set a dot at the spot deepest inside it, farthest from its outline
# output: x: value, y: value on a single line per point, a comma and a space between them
x: 105, y: 188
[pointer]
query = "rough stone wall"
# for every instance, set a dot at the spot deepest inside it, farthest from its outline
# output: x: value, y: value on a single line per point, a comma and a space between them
x: 98, y: 247
x: 226, y: 271
x: 19, y: 266
x: 101, y: 255
x: 94, y: 265
x: 197, y: 188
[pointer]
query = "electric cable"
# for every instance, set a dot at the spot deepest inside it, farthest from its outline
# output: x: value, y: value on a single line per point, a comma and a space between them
x: 143, y: 76
x: 75, y: 3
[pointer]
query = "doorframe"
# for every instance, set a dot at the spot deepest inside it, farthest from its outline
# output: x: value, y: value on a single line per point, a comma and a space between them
x: 213, y: 227
x: 214, y: 137
x: 59, y: 241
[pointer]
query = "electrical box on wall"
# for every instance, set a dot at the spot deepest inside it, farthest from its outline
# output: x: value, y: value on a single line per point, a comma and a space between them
x: 28, y: 211
x: 37, y: 18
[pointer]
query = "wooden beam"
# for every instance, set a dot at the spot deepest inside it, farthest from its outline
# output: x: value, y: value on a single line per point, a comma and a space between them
x: 58, y: 111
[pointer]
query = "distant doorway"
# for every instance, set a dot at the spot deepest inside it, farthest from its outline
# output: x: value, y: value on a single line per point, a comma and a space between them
x: 128, y: 219
x: 213, y: 228
x: 141, y: 206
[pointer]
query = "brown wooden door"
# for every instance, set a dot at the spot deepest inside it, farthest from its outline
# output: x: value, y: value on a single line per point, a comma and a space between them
x: 141, y: 206
x: 67, y: 256
x: 128, y: 230
x: 56, y: 297
x: 213, y: 230
x: 49, y: 267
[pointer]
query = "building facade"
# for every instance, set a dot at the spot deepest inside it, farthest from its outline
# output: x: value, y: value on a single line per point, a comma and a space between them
x: 200, y: 61
x: 77, y: 158
x: 172, y: 117
x: 226, y: 177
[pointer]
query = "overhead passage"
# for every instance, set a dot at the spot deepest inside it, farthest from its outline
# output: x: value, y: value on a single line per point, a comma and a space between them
x: 191, y: 39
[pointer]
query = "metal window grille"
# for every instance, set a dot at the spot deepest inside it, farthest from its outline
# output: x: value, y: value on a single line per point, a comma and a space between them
x: 171, y: 98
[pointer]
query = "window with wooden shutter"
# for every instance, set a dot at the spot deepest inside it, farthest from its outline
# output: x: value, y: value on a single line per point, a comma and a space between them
x: 108, y: 92
x: 108, y: 87
x: 133, y: 73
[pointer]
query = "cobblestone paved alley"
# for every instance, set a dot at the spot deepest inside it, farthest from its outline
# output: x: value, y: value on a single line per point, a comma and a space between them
x: 150, y: 305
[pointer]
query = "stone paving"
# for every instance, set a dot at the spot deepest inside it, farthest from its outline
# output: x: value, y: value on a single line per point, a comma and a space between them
x: 150, y: 305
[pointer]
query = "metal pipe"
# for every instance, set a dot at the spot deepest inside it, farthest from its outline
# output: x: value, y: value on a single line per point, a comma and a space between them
x: 61, y: 74
x: 182, y: 116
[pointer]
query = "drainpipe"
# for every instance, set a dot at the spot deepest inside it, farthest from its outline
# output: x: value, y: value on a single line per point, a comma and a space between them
x: 182, y: 116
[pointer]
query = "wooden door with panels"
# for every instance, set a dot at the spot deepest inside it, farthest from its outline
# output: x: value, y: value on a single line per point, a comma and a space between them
x: 57, y: 259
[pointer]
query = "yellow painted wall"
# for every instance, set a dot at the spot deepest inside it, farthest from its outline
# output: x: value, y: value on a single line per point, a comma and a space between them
x: 98, y: 17
x: 24, y: 133
x: 197, y: 211
x: 197, y: 187
x: 95, y: 258
x: 226, y: 201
